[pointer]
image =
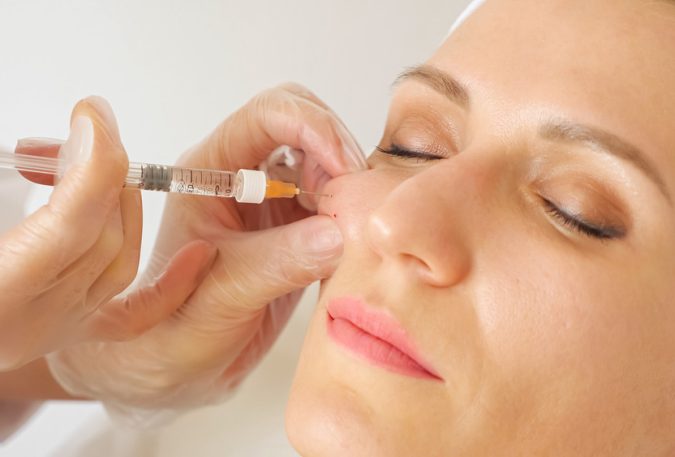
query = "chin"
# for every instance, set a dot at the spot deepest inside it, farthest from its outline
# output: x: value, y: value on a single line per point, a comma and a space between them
x: 329, y: 414
x: 327, y: 424
x: 325, y: 416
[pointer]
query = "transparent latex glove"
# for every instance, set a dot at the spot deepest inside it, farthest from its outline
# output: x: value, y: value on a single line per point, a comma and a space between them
x: 63, y: 266
x: 266, y: 255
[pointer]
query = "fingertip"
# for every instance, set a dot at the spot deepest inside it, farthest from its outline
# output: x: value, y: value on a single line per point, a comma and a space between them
x: 126, y: 318
x: 313, y: 178
x: 199, y: 249
x: 106, y: 132
x: 301, y: 91
x: 194, y: 259
x: 106, y: 154
x: 98, y: 110
x: 322, y: 236
x: 352, y: 154
x: 208, y: 253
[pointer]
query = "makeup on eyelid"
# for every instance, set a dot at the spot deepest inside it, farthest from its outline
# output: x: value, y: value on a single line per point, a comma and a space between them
x: 577, y: 198
x: 577, y: 190
x: 574, y: 200
x: 426, y: 127
x: 584, y: 199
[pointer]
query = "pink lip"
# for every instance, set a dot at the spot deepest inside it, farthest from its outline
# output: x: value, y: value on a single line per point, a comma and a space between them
x: 376, y: 337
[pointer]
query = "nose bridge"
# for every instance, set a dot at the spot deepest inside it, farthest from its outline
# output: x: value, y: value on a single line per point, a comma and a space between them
x: 423, y: 223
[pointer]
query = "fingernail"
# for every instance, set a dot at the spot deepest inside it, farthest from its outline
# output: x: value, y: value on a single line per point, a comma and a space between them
x: 79, y: 146
x: 104, y: 110
x: 324, y: 236
x: 36, y: 142
x: 354, y: 158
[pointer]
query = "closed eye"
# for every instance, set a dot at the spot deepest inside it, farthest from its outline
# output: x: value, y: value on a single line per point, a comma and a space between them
x: 398, y: 151
x: 577, y: 224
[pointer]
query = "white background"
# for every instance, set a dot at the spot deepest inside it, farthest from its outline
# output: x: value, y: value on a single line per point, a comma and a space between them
x: 172, y: 70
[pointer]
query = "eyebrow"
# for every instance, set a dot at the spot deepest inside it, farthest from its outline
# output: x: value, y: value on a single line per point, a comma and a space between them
x: 603, y: 141
x: 439, y: 81
x: 554, y: 130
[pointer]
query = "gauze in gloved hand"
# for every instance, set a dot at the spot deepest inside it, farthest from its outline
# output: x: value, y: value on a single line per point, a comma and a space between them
x: 267, y: 254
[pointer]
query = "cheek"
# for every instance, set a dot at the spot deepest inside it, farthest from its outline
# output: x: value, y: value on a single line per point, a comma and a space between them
x: 557, y: 323
x: 353, y: 198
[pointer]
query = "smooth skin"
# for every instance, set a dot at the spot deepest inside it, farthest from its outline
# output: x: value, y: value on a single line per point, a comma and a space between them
x: 550, y: 340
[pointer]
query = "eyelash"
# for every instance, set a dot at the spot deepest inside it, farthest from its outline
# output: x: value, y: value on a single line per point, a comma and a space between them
x: 568, y: 220
x: 398, y: 151
x: 593, y: 231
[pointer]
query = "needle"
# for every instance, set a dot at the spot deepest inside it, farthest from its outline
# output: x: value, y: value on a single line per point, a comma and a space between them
x: 315, y: 193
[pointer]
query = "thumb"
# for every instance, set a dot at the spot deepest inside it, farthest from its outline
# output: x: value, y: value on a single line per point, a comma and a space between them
x: 258, y: 267
x: 64, y: 230
x: 128, y: 317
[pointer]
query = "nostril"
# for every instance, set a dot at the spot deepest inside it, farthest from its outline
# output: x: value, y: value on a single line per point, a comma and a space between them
x: 415, y: 261
x: 419, y: 267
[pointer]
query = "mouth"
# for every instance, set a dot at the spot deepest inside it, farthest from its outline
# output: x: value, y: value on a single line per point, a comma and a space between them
x: 375, y: 337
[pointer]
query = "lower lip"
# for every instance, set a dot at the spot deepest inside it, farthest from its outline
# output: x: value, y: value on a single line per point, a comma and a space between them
x: 373, y: 349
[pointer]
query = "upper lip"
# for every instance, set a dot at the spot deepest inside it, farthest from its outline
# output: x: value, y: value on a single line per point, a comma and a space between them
x: 379, y: 324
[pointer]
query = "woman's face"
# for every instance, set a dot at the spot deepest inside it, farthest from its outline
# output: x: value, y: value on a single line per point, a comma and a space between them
x: 507, y: 288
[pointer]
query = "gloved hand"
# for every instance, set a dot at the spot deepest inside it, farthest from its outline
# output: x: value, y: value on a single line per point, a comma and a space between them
x: 207, y: 347
x: 62, y: 266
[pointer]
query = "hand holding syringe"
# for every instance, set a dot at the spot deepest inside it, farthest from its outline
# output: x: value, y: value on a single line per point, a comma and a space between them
x: 246, y: 186
x: 65, y: 267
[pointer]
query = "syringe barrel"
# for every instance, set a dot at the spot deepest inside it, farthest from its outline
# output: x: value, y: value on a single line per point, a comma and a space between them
x: 166, y: 178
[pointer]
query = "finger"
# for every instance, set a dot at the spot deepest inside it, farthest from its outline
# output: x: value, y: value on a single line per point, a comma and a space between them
x: 312, y: 179
x: 71, y: 223
x: 92, y: 186
x: 122, y: 270
x: 39, y: 147
x: 69, y: 288
x: 271, y: 213
x: 55, y: 312
x: 257, y: 267
x: 128, y: 317
x: 272, y: 323
x: 303, y: 92
x: 278, y: 117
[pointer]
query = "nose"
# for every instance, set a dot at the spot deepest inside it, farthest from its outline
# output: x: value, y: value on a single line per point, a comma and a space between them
x: 410, y: 224
x: 419, y: 228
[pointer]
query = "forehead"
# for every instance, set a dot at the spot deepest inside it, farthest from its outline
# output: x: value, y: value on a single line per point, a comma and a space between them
x: 606, y: 62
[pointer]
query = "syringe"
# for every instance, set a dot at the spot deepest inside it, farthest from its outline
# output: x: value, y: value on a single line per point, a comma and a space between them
x: 246, y: 186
